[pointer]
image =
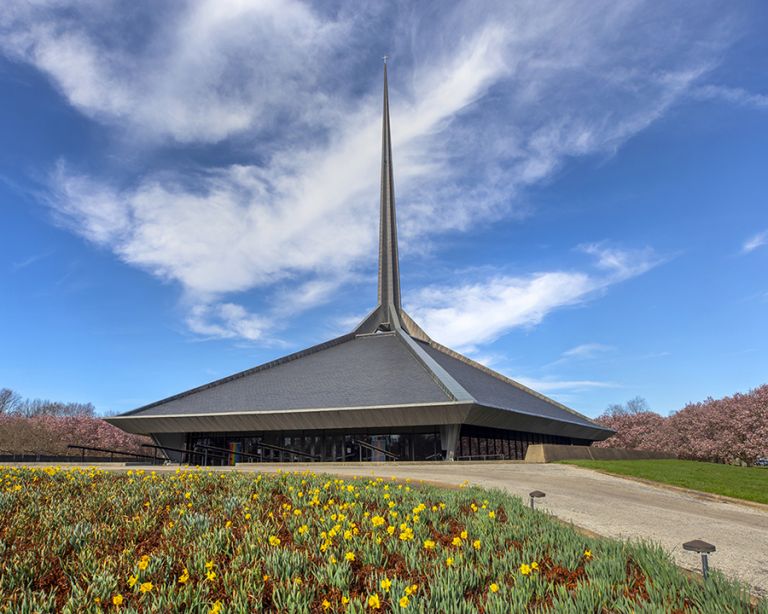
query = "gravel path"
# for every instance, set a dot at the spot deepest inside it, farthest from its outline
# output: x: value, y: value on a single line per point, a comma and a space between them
x: 611, y: 506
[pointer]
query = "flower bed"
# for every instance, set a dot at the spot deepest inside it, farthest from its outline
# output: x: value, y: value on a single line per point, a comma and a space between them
x: 86, y: 540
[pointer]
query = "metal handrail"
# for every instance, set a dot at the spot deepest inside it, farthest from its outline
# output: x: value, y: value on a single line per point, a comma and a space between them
x: 112, y: 452
x: 270, y: 446
x: 372, y: 447
x: 182, y: 450
x: 481, y: 457
x: 228, y: 451
x: 260, y: 455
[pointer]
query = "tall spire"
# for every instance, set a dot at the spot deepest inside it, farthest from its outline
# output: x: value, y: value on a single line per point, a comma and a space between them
x: 389, y: 314
x: 389, y: 268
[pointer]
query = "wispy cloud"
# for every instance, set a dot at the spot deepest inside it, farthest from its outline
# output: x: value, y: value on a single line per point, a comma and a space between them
x: 485, y: 102
x: 201, y: 73
x: 733, y: 95
x: 227, y: 321
x: 478, y: 312
x: 30, y: 260
x: 551, y: 385
x: 587, y: 350
x: 755, y: 241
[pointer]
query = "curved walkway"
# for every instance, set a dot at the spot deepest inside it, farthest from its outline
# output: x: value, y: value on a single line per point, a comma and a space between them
x: 609, y: 505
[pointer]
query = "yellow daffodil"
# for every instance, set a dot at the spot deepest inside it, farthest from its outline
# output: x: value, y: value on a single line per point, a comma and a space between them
x: 449, y: 562
x: 456, y: 541
x: 211, y: 575
x: 429, y: 544
x: 373, y: 602
x: 476, y: 544
x: 132, y: 581
x: 494, y: 588
x: 274, y: 541
x: 117, y: 599
x: 588, y: 554
x: 184, y: 576
x: 349, y: 556
x: 385, y: 584
x: 326, y: 604
x: 404, y: 601
x: 525, y: 569
x: 534, y: 565
x: 216, y: 608
x: 145, y: 587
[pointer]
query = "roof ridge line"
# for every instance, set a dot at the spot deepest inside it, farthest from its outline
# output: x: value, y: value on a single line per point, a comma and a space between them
x: 446, y: 381
x: 262, y: 367
x: 503, y: 378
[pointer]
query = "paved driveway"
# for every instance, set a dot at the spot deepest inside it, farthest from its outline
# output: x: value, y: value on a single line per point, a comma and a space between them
x: 612, y: 506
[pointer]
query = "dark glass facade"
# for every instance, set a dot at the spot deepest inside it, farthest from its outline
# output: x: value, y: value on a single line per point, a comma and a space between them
x: 416, y: 444
x: 479, y: 443
x: 310, y: 446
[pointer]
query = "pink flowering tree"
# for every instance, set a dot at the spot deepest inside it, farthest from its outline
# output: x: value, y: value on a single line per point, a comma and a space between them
x: 729, y: 430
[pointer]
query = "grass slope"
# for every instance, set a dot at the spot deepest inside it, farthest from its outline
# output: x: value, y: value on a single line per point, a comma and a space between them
x: 748, y: 483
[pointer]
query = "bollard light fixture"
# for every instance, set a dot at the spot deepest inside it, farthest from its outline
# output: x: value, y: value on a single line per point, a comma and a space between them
x: 536, y: 494
x: 704, y: 549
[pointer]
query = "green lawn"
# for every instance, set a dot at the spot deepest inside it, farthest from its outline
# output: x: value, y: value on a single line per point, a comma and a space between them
x: 749, y: 483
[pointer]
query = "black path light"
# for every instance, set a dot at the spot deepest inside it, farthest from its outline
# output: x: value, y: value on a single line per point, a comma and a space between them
x: 536, y: 494
x: 703, y: 548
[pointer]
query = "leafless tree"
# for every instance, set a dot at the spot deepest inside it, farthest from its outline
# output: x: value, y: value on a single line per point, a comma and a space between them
x: 9, y: 401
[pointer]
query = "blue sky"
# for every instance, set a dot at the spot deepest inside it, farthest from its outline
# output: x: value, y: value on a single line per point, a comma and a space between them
x: 190, y: 189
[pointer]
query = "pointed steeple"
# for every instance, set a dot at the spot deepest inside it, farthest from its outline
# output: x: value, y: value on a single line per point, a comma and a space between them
x: 389, y: 314
x: 389, y: 267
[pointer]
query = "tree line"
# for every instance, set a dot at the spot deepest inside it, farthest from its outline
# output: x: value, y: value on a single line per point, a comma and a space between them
x: 13, y: 404
x: 733, y: 429
x: 39, y: 426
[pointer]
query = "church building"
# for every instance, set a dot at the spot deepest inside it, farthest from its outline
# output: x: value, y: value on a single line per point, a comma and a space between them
x: 385, y: 391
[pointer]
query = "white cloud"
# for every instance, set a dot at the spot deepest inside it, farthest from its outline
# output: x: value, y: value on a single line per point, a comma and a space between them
x: 208, y: 70
x: 485, y: 101
x: 758, y: 240
x: 732, y: 95
x: 551, y: 385
x: 479, y: 312
x: 227, y: 321
x: 586, y: 350
x: 621, y: 264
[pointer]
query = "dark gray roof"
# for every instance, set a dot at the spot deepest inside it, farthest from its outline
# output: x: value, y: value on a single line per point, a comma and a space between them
x: 370, y: 370
x: 494, y: 390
